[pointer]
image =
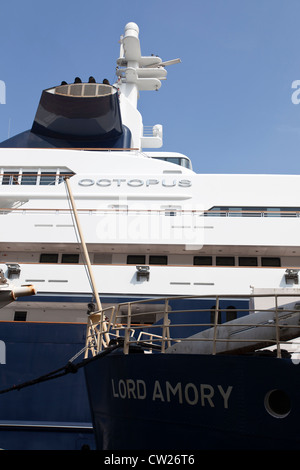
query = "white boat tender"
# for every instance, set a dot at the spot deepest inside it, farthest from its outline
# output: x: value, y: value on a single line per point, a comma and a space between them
x: 249, y: 333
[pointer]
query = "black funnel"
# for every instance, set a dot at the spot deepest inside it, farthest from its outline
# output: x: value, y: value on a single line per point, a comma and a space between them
x: 81, y: 111
x: 81, y: 115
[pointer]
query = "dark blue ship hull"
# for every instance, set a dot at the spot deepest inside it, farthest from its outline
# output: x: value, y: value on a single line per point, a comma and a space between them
x: 53, y: 415
x: 173, y: 402
x: 56, y: 414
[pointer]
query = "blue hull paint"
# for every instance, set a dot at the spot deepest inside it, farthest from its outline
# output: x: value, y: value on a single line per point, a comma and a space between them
x: 55, y: 414
x: 173, y: 402
x: 50, y: 415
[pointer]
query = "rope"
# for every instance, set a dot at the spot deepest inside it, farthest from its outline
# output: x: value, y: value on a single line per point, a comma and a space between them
x: 67, y: 369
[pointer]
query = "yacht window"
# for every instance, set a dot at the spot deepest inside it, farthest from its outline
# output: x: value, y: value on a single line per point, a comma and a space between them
x: 182, y: 161
x: 47, y: 178
x: 175, y: 160
x: 247, y: 261
x: 70, y: 258
x: 136, y: 259
x: 202, y: 260
x: 273, y: 212
x: 231, y: 313
x: 253, y: 211
x: 270, y: 262
x: 213, y: 314
x: 217, y: 211
x: 155, y: 259
x: 289, y: 212
x: 49, y: 258
x: 63, y: 174
x: 171, y: 210
x: 10, y: 177
x: 235, y: 212
x: 20, y: 316
x: 29, y: 177
x: 225, y: 261
x: 34, y: 176
x: 185, y: 163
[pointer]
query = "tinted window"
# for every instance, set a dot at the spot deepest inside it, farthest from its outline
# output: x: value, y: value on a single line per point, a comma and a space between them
x: 29, y: 177
x: 231, y: 313
x: 47, y: 178
x: 270, y: 262
x: 225, y: 261
x: 49, y: 258
x: 213, y: 315
x: 10, y: 177
x: 20, y: 316
x: 202, y: 260
x: 247, y: 261
x: 136, y: 259
x: 70, y: 258
x: 155, y: 259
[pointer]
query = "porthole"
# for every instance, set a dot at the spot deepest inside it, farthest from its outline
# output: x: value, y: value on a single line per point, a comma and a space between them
x: 277, y: 403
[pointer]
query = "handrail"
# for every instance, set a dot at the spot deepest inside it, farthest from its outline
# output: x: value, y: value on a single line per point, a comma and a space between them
x: 148, y: 131
x: 285, y: 322
x: 196, y: 212
x: 95, y: 331
x: 254, y: 213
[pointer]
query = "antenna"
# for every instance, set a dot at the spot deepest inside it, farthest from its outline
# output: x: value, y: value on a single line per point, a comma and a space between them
x: 163, y: 64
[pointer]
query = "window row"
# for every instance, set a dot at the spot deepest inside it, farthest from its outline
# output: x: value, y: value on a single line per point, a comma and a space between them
x: 74, y: 258
x: 163, y: 260
x: 208, y: 260
x: 231, y: 261
x: 65, y: 258
x: 224, y: 211
x: 182, y: 161
x: 33, y: 177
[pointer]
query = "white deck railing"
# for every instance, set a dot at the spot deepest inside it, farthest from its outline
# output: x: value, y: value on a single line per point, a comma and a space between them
x: 165, y: 212
x: 121, y: 322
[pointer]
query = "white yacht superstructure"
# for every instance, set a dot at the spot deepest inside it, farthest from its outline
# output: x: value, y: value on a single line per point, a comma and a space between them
x: 89, y: 211
x: 152, y: 226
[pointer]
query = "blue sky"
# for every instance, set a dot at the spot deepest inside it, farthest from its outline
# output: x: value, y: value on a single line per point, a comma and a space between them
x: 228, y: 104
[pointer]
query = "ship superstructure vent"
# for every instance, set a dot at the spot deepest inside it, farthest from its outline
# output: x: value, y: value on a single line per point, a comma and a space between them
x: 84, y: 89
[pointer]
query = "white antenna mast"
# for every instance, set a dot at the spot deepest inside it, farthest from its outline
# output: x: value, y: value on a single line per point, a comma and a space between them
x: 138, y: 72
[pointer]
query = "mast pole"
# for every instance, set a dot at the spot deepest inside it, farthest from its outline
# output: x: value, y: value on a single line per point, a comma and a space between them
x: 85, y: 251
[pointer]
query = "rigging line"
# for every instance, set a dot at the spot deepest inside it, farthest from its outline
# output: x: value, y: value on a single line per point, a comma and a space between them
x: 67, y: 369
